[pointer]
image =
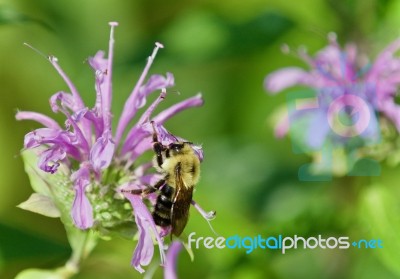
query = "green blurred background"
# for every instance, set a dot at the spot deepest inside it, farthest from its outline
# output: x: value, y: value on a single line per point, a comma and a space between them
x: 223, y: 49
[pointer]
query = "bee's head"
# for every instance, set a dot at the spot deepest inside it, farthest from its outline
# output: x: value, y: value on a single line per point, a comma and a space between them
x: 180, y: 148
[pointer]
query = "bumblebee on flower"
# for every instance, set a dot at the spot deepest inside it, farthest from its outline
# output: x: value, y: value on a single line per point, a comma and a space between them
x: 99, y: 166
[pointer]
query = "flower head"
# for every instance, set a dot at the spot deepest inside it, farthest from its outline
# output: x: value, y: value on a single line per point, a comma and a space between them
x: 347, y: 94
x: 102, y: 162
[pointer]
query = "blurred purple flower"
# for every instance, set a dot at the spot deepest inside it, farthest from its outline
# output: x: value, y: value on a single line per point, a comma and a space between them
x: 334, y: 74
x: 87, y: 139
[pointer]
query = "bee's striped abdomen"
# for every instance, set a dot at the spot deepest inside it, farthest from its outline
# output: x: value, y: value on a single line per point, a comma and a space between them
x: 162, y: 209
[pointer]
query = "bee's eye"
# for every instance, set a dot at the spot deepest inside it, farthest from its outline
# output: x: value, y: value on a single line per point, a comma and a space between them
x: 176, y: 146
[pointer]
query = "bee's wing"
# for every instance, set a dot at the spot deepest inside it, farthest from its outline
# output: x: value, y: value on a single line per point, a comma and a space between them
x: 181, y: 203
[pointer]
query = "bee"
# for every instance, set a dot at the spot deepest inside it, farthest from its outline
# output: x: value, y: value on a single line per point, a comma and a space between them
x: 180, y: 166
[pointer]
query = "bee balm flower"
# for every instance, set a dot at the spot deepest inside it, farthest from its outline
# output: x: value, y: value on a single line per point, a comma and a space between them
x: 345, y: 84
x: 100, y: 161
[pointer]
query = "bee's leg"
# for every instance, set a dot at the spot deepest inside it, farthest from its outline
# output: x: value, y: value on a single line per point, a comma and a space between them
x: 148, y: 190
x: 158, y: 147
x: 134, y: 192
x: 152, y: 189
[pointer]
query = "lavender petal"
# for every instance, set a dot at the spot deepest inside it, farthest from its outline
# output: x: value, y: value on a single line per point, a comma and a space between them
x: 171, y: 261
x: 82, y: 211
x: 50, y: 158
x: 76, y: 96
x: 102, y: 152
x: 146, y: 227
x: 195, y: 101
x: 38, y: 117
x: 127, y: 113
x: 155, y: 82
x: 287, y: 77
x: 52, y: 136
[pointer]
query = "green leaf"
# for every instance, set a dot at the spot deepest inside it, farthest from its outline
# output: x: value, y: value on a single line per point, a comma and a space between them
x: 41, y: 204
x: 35, y: 273
x: 55, y: 192
x: 41, y: 181
x: 56, y: 187
x: 38, y: 274
x: 189, y: 250
x: 38, y: 182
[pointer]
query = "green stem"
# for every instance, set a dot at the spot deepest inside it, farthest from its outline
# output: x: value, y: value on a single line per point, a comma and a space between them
x: 78, y: 254
x: 80, y: 250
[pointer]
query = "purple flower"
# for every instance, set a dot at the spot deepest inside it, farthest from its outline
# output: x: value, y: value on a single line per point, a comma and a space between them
x: 346, y: 88
x: 106, y: 161
x: 172, y: 257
